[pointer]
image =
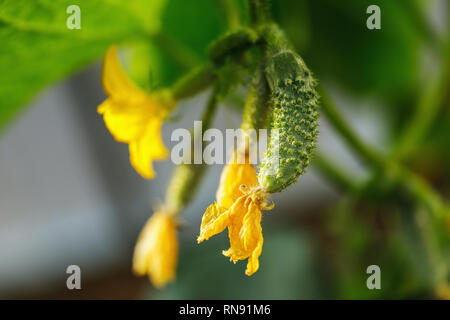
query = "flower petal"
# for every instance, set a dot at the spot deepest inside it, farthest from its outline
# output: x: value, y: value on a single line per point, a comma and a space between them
x: 245, y: 234
x: 147, y: 148
x: 133, y: 116
x: 233, y: 176
x: 126, y: 123
x: 115, y: 81
x: 214, y: 221
x: 251, y: 235
x: 156, y: 250
x: 253, y: 260
x: 237, y: 213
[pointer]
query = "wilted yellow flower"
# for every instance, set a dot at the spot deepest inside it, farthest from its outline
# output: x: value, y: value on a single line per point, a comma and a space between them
x: 156, y: 251
x: 133, y: 116
x: 239, y: 204
x: 233, y: 176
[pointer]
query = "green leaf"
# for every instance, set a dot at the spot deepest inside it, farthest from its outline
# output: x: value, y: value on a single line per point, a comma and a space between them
x: 193, y: 23
x: 100, y: 18
x: 187, y: 28
x: 38, y: 48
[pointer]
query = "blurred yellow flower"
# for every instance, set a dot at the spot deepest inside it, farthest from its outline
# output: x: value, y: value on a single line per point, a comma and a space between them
x: 132, y: 116
x: 239, y: 204
x: 156, y: 251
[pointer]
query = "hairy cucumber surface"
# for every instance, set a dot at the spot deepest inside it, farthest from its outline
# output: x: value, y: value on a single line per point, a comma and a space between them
x: 294, y: 103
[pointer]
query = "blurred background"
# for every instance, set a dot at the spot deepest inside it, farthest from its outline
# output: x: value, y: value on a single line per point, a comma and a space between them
x: 68, y: 194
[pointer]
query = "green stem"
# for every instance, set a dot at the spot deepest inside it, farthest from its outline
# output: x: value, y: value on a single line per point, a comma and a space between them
x: 426, y: 111
x: 425, y: 28
x: 333, y: 173
x: 208, y: 113
x: 259, y: 11
x: 186, y: 177
x: 409, y: 181
x: 231, y: 11
x: 340, y: 124
x: 275, y: 39
x: 232, y: 43
x: 256, y: 110
x: 421, y: 191
x: 194, y: 82
x: 201, y: 77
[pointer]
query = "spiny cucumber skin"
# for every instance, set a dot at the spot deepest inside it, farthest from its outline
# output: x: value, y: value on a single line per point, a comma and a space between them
x: 294, y: 103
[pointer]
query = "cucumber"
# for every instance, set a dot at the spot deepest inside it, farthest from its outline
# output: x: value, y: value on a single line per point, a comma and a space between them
x: 293, y: 121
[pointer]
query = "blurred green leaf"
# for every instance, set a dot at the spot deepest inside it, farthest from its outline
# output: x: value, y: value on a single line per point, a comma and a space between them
x: 187, y: 29
x: 337, y: 45
x: 38, y: 48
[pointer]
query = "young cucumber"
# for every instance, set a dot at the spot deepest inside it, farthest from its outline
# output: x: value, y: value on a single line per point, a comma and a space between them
x: 294, y: 103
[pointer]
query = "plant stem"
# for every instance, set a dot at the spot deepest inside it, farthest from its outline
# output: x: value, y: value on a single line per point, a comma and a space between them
x: 333, y: 173
x: 259, y: 11
x: 194, y: 82
x: 419, y: 189
x: 257, y: 106
x: 211, y: 106
x: 425, y: 28
x: 232, y: 43
x: 201, y: 77
x: 354, y: 141
x: 231, y: 11
x: 409, y: 181
x: 426, y: 111
x: 186, y: 177
x: 274, y: 38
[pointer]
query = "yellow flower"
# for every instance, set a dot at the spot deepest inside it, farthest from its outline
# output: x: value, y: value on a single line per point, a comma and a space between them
x: 233, y: 176
x: 156, y: 251
x: 133, y: 116
x: 239, y: 204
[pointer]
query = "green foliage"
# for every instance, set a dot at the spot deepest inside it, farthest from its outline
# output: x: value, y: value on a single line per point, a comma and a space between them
x: 169, y: 37
x: 38, y: 48
x: 333, y: 38
x: 187, y: 28
x: 100, y: 18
